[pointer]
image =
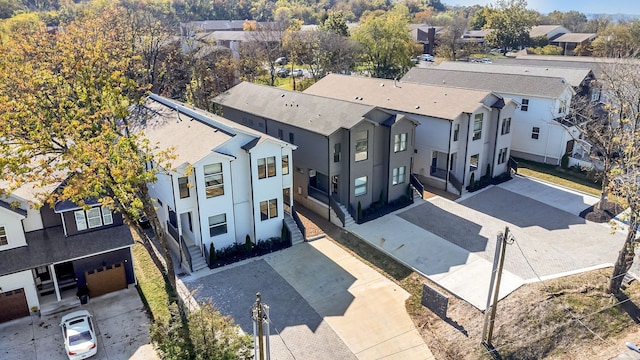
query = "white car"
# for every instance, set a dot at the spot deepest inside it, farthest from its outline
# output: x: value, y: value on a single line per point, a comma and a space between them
x: 426, y: 57
x: 79, y: 335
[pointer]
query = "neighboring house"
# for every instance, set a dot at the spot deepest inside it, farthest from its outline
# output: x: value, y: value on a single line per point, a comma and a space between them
x: 48, y: 254
x: 427, y: 36
x: 551, y: 32
x: 226, y: 183
x: 461, y: 131
x: 569, y: 42
x: 475, y: 36
x: 348, y: 154
x: 539, y: 130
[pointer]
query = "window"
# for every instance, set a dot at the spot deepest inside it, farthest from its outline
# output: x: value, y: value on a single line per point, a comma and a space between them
x: 3, y: 236
x: 285, y: 164
x: 360, y: 186
x: 291, y: 138
x: 502, y: 156
x: 94, y: 217
x: 563, y: 107
x: 336, y: 152
x: 506, y: 126
x: 213, y: 180
x: 81, y: 221
x: 473, y: 164
x: 266, y: 167
x: 456, y: 132
x: 280, y: 134
x: 268, y: 209
x: 107, y: 216
x: 595, y: 94
x: 477, y: 127
x: 535, y: 133
x: 525, y: 105
x: 398, y: 175
x: 183, y: 185
x: 361, y: 145
x: 400, y: 142
x: 217, y: 225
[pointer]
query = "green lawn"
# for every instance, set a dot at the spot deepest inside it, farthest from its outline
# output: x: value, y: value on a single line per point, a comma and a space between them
x: 151, y: 284
x: 556, y: 175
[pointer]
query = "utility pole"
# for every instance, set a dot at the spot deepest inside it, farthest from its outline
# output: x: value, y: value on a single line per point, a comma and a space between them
x: 260, y: 318
x: 494, y: 287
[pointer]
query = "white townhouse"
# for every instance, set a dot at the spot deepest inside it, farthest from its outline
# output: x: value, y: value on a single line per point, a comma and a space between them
x: 461, y: 132
x: 226, y: 182
x: 540, y: 132
x: 48, y: 254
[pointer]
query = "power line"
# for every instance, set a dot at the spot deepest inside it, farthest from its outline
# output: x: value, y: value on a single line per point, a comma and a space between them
x: 280, y: 336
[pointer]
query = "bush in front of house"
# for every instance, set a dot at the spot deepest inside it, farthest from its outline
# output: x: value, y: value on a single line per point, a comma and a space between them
x: 238, y: 252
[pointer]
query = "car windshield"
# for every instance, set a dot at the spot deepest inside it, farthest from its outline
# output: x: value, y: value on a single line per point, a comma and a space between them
x: 80, y: 338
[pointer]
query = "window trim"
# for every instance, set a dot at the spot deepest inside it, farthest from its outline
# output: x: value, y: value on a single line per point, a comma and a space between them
x: 502, y: 156
x: 360, y: 189
x: 400, y: 142
x: 535, y: 133
x: 361, y: 155
x: 217, y: 185
x: 473, y: 167
x: 524, y: 106
x: 268, y: 209
x: 221, y: 224
x: 183, y: 186
x: 478, y: 120
x: 456, y: 132
x: 337, y: 152
x: 106, y: 214
x: 268, y: 167
x: 4, y: 238
x: 285, y: 164
x: 398, y: 175
x: 506, y: 126
x: 83, y: 225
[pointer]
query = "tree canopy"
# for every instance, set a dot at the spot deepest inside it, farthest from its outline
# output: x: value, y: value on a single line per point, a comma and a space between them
x: 511, y: 22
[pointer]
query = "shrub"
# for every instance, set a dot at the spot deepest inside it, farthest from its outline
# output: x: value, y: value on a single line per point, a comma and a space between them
x: 359, y: 210
x: 212, y: 254
x: 472, y: 181
x: 488, y: 174
x: 248, y: 245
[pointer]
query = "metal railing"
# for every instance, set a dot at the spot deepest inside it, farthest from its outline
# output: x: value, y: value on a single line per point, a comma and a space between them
x: 455, y: 182
x: 318, y: 194
x: 337, y: 209
x: 185, y: 251
x: 438, y: 173
x: 513, y: 164
x: 415, y: 182
x: 173, y: 231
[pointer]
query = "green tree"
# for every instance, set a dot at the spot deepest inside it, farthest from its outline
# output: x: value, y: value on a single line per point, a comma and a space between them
x: 64, y: 101
x: 618, y: 40
x: 215, y: 336
x: 336, y: 22
x: 9, y: 7
x: 511, y: 22
x: 386, y: 43
x: 574, y: 21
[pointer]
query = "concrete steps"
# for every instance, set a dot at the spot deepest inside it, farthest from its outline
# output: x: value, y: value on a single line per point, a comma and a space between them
x: 348, y: 220
x: 296, y: 234
x: 198, y: 262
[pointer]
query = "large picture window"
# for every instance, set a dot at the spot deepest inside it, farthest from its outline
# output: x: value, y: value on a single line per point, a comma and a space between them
x: 477, y: 127
x: 3, y: 236
x: 398, y: 175
x: 268, y: 209
x: 213, y: 180
x: 217, y: 225
x: 400, y: 142
x: 360, y: 186
x: 362, y: 145
x: 266, y: 167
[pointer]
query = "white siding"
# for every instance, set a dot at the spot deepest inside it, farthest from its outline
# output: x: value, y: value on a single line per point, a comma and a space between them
x: 267, y: 189
x: 13, y: 227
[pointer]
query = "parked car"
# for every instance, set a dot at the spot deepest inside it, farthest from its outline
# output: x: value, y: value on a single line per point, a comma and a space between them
x: 426, y: 57
x: 297, y: 72
x: 281, y: 61
x: 79, y: 335
x: 282, y: 72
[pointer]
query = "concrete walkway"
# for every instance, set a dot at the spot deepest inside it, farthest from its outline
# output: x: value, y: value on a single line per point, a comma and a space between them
x: 324, y: 304
x: 453, y: 243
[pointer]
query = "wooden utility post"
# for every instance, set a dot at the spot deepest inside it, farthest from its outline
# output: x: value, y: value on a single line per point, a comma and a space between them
x: 494, y: 287
x: 260, y: 318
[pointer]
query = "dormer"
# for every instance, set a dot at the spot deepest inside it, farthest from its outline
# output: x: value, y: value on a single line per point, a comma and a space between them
x: 77, y: 220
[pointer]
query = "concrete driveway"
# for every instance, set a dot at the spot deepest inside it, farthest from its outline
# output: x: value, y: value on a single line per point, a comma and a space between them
x: 324, y: 304
x: 453, y: 243
x: 122, y: 330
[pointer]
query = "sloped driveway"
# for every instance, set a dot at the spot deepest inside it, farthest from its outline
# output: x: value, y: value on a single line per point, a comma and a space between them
x: 453, y: 243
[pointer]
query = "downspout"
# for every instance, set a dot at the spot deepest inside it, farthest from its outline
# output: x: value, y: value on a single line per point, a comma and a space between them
x: 329, y: 177
x: 253, y: 200
x: 198, y: 207
x: 495, y: 145
x: 446, y: 184
x: 349, y: 183
x: 175, y: 204
x: 466, y: 152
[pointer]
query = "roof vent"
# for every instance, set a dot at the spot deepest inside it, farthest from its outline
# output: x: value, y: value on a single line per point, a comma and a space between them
x: 444, y: 81
x: 382, y: 84
x: 282, y: 95
x: 417, y: 107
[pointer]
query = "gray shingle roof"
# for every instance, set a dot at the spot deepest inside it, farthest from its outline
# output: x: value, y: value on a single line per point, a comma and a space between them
x: 428, y: 100
x: 318, y: 114
x: 575, y: 76
x: 575, y: 37
x: 50, y: 246
x: 539, y: 86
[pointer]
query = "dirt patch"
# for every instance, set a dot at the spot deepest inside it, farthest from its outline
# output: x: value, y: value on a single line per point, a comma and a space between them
x: 601, y: 212
x: 567, y: 318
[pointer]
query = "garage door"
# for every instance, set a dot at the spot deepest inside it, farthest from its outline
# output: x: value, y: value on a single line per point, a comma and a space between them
x: 13, y: 305
x: 106, y: 279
